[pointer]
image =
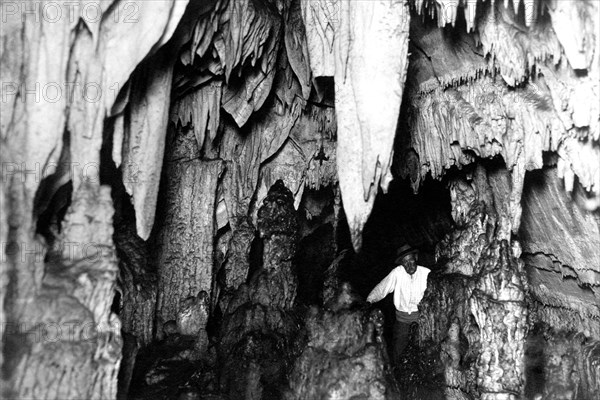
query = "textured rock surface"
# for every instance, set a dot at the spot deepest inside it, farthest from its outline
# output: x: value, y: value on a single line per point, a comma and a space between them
x: 70, y: 55
x: 482, y: 295
x: 345, y: 355
x: 137, y: 284
x: 232, y: 81
x: 556, y: 224
x: 184, y: 241
x: 561, y: 366
x: 345, y: 41
x: 492, y: 319
x: 518, y: 115
x: 69, y: 345
x: 560, y: 303
x: 257, y: 337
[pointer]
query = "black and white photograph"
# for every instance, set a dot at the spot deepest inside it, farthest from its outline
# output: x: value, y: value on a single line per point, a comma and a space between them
x: 300, y: 199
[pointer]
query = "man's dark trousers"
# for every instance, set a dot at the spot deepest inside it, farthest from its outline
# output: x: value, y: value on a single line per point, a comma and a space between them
x: 401, y: 332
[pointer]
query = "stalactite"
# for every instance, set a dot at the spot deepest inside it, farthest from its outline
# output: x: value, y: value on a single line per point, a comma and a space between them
x: 321, y: 20
x: 576, y: 25
x: 306, y: 158
x: 438, y: 59
x: 515, y: 57
x: 241, y: 42
x: 244, y: 152
x: 315, y: 133
x: 288, y: 165
x: 240, y: 101
x: 87, y: 63
x: 144, y: 138
x: 365, y: 127
x: 369, y: 84
x: 489, y: 120
x: 201, y: 109
x: 296, y: 46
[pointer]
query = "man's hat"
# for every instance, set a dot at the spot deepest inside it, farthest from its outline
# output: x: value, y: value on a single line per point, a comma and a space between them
x: 404, y: 250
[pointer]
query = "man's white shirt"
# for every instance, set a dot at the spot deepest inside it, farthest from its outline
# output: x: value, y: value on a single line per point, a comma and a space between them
x: 408, y: 289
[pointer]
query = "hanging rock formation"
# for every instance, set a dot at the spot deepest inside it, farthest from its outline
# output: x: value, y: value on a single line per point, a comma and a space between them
x: 346, y: 41
x: 500, y: 99
x: 82, y: 60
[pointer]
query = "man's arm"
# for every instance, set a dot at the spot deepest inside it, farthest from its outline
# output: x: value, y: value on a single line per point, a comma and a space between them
x: 383, y: 288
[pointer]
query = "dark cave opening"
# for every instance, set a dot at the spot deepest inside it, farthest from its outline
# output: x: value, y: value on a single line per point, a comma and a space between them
x: 399, y: 217
x: 317, y: 246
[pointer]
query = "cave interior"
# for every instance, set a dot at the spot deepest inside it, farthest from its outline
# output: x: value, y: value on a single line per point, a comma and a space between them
x: 210, y: 225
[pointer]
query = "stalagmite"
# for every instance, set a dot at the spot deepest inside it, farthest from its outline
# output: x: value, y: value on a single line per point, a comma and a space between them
x: 344, y: 356
x: 486, y: 299
x: 258, y: 329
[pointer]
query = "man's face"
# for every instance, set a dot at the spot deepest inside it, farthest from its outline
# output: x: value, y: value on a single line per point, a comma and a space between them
x: 409, y: 263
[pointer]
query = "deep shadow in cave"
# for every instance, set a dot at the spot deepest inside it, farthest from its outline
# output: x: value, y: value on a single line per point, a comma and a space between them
x: 216, y: 221
x: 400, y: 217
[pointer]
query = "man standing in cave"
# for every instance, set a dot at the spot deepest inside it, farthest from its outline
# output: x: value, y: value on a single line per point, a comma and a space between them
x: 408, y: 281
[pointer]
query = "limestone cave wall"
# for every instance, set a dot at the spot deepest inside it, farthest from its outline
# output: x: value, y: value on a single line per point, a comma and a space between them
x: 197, y: 196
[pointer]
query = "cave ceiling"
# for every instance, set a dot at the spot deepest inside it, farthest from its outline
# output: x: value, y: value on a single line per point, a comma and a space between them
x: 509, y: 78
